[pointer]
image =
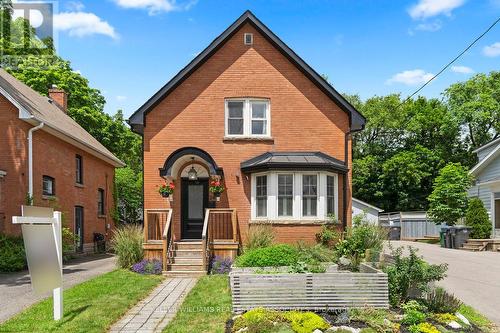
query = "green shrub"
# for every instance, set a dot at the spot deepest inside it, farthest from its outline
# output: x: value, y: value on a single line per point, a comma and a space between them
x: 127, y: 244
x: 413, y: 305
x: 276, y: 255
x: 444, y: 318
x: 12, y: 255
x: 266, y: 321
x: 329, y: 235
x: 68, y: 243
x: 363, y: 236
x: 260, y: 235
x: 410, y: 273
x: 315, y: 253
x: 305, y: 322
x: 413, y: 317
x: 477, y: 218
x: 379, y: 320
x: 423, y: 328
x: 440, y: 301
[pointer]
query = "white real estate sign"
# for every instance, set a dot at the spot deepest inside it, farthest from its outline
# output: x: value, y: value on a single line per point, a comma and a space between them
x: 42, y: 236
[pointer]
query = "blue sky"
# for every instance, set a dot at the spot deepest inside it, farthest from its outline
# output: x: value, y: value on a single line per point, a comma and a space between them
x: 129, y: 48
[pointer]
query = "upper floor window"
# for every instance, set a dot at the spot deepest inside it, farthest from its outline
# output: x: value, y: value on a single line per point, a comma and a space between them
x: 100, y: 202
x: 248, y: 118
x: 49, y: 186
x: 79, y: 169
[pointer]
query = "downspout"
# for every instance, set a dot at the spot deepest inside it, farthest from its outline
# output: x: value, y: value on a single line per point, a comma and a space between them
x: 30, y: 158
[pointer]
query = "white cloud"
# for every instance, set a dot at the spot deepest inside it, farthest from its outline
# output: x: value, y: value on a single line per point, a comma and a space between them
x: 462, y: 69
x: 492, y: 50
x: 75, y: 6
x: 81, y: 24
x: 410, y: 77
x: 430, y: 26
x: 429, y: 8
x: 121, y: 98
x: 155, y: 6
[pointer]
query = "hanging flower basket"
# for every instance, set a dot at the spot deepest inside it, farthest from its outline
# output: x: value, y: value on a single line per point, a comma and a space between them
x: 166, y: 189
x: 216, y: 188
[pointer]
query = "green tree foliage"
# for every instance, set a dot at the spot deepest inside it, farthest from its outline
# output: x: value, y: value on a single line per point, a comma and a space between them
x: 128, y: 193
x: 448, y: 200
x: 475, y: 104
x: 477, y: 218
x: 40, y: 68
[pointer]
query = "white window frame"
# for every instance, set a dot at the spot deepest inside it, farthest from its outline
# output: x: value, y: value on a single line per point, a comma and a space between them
x: 272, y: 196
x: 247, y: 117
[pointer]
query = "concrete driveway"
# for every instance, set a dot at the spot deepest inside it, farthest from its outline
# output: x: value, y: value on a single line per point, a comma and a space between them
x: 15, y: 288
x: 474, y: 277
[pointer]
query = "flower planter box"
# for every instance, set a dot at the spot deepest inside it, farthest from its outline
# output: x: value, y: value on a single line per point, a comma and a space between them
x: 313, y: 292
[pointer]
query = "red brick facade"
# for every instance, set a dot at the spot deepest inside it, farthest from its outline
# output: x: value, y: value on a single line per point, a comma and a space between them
x: 303, y: 118
x: 55, y: 158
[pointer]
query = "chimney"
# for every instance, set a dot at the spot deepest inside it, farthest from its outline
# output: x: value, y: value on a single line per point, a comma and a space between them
x: 60, y: 97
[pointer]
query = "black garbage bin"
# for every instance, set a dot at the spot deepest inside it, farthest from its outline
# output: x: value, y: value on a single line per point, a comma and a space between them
x: 395, y: 233
x: 460, y: 235
x: 448, y: 237
x: 442, y: 235
x: 99, y: 243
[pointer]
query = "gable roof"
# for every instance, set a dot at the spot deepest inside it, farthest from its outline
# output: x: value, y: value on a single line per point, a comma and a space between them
x: 356, y: 119
x: 488, y: 144
x: 380, y: 210
x: 305, y: 160
x: 495, y: 153
x: 35, y: 108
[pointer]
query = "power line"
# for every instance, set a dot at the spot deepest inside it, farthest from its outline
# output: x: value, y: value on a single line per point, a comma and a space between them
x: 450, y: 63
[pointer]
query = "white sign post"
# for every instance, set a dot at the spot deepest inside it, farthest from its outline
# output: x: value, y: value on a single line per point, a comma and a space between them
x: 42, y: 234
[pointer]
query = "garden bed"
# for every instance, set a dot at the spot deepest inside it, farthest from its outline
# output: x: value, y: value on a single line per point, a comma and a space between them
x: 310, y: 291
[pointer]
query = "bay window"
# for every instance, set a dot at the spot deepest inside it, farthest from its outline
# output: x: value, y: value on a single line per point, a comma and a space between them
x: 247, y: 118
x: 309, y: 195
x: 261, y: 195
x: 294, y: 195
x: 285, y: 195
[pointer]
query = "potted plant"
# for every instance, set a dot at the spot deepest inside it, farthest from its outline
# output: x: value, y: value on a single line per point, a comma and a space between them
x: 166, y: 189
x: 216, y: 188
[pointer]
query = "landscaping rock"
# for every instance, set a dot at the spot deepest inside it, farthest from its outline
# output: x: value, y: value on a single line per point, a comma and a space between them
x: 454, y: 324
x: 235, y: 317
x: 317, y: 331
x: 347, y: 328
x: 462, y: 318
x: 342, y: 317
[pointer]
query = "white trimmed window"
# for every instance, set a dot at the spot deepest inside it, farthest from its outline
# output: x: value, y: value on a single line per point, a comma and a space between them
x: 248, y: 118
x: 294, y: 195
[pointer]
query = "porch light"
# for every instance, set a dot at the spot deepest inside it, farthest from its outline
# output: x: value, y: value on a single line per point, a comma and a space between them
x: 192, y: 174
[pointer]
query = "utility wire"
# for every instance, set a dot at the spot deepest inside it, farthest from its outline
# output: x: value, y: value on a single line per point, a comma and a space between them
x: 450, y: 63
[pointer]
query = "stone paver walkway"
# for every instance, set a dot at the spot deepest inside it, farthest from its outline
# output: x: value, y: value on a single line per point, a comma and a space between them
x: 152, y: 314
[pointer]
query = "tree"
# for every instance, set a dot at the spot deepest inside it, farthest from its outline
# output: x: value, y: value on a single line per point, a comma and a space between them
x: 448, y: 200
x: 128, y: 195
x: 477, y: 218
x: 476, y: 105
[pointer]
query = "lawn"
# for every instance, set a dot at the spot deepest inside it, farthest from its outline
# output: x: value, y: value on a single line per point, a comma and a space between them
x: 88, y: 307
x: 206, y: 308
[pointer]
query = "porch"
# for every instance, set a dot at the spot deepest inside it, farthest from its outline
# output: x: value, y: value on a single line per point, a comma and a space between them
x: 181, y: 256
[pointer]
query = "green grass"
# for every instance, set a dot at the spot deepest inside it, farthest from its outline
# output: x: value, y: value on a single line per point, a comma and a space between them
x: 88, y: 307
x: 206, y: 308
x: 477, y: 319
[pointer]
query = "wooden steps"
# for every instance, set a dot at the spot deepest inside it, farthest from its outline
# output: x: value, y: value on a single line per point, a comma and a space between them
x: 187, y: 260
x: 477, y: 245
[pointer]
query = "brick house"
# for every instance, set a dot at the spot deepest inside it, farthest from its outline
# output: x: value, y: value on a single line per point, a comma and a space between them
x: 46, y: 155
x: 249, y: 112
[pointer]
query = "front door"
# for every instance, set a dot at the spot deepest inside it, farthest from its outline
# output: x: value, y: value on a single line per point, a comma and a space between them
x: 194, y: 201
x: 79, y: 228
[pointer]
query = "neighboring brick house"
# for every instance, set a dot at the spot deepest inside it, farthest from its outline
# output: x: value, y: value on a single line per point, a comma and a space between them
x: 70, y: 170
x: 249, y: 111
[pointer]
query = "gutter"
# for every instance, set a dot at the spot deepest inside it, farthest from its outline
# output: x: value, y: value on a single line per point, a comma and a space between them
x: 346, y: 175
x: 30, y: 157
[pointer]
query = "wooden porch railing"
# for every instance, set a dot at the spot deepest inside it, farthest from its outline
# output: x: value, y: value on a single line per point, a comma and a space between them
x: 158, y: 233
x: 220, y: 225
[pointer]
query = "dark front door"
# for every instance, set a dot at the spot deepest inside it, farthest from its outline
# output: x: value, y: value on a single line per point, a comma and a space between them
x: 79, y: 228
x: 194, y: 202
